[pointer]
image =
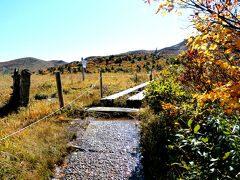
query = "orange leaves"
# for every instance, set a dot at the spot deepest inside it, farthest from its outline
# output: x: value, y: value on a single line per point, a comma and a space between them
x: 213, y: 46
x: 229, y: 96
x: 214, y: 52
x: 190, y: 41
x: 207, y: 96
x: 208, y: 82
x: 224, y: 65
x: 237, y: 42
x: 167, y: 106
x: 230, y: 70
x: 228, y: 51
x: 229, y: 31
x: 228, y: 110
x: 171, y: 109
x: 219, y: 62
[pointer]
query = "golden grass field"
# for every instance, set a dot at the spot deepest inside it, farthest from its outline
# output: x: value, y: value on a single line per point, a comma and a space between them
x: 35, y: 152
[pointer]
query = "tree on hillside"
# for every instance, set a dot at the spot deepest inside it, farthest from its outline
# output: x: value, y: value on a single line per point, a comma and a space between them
x: 139, y: 68
x: 217, y: 45
x: 111, y: 57
x: 118, y: 61
x: 145, y: 57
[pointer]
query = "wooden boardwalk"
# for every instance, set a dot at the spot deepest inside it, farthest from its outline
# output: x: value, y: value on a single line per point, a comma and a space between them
x: 110, y: 99
x: 112, y: 109
x: 137, y: 97
x: 133, y: 101
x: 136, y: 100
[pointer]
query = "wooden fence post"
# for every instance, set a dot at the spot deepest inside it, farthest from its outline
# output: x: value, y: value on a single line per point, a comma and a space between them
x: 83, y: 66
x: 25, y: 83
x: 83, y: 76
x: 15, y: 96
x: 151, y: 78
x: 101, y: 89
x: 59, y: 88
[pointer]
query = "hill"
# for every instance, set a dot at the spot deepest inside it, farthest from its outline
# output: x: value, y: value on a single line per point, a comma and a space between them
x: 172, y: 50
x: 137, y: 60
x: 33, y: 64
x: 175, y: 49
x: 132, y: 61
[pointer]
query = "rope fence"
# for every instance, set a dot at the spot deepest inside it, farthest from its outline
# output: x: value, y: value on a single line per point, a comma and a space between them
x: 132, y: 75
x: 62, y: 107
x: 45, y: 117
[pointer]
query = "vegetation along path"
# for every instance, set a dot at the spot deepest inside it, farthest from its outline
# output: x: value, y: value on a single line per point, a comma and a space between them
x: 109, y: 149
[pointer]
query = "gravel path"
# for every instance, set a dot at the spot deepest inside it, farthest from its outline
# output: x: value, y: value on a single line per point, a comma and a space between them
x: 108, y: 149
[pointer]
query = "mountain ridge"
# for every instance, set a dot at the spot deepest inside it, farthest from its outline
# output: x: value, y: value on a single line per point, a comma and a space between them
x: 174, y: 49
x: 31, y: 63
x: 35, y: 64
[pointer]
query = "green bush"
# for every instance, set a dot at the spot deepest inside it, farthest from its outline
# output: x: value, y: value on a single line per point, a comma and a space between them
x: 167, y: 91
x: 212, y: 143
x: 188, y: 141
x: 156, y: 135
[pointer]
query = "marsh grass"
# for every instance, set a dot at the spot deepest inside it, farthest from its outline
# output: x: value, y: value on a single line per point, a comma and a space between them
x: 35, y: 152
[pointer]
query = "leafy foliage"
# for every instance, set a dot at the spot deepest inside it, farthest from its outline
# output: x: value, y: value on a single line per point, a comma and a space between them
x: 215, y: 50
x: 206, y: 129
x: 189, y: 141
x: 167, y: 91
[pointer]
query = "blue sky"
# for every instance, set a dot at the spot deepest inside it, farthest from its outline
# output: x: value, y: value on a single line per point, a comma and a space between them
x: 71, y: 29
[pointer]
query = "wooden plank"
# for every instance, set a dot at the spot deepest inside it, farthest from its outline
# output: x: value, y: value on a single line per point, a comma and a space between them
x: 137, y: 97
x: 112, y: 109
x: 125, y: 92
x: 136, y: 100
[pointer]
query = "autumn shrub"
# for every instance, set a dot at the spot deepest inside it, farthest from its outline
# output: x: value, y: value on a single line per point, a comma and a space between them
x: 188, y: 141
x: 168, y: 91
x: 207, y: 133
x: 199, y: 74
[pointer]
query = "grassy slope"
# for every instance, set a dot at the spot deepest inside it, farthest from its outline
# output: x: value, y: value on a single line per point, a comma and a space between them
x: 119, y: 63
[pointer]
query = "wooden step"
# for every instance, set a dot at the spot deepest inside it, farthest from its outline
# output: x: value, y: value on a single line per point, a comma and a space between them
x: 137, y: 97
x: 110, y: 99
x: 112, y: 109
x: 136, y: 100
